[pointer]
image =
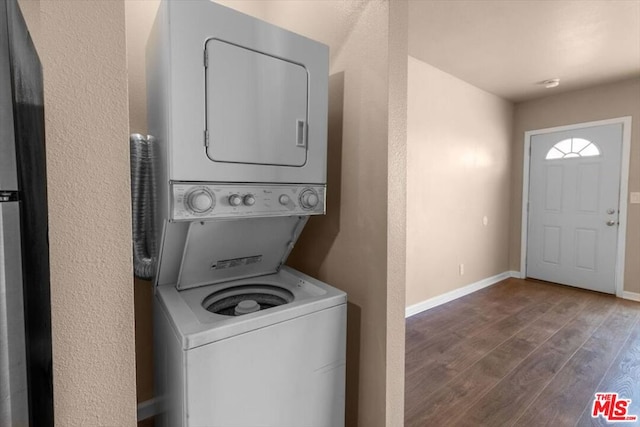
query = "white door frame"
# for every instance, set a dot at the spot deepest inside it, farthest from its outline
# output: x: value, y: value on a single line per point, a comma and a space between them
x: 624, y: 189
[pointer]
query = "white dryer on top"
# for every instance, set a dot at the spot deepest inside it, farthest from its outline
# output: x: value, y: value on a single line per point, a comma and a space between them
x: 233, y: 99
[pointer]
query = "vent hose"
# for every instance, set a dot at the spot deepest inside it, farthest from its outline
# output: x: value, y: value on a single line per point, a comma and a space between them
x: 143, y: 198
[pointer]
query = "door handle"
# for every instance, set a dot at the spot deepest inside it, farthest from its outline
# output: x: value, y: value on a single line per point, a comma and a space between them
x: 611, y: 223
x: 301, y: 133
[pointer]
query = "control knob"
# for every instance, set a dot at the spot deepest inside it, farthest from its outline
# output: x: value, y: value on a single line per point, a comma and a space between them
x: 249, y: 200
x: 309, y: 199
x: 235, y: 200
x: 200, y: 200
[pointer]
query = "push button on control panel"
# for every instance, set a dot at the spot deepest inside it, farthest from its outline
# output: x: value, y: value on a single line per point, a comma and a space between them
x: 235, y: 200
x: 284, y: 200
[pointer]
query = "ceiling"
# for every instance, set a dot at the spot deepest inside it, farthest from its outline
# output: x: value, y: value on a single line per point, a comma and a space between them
x: 328, y: 22
x: 507, y: 47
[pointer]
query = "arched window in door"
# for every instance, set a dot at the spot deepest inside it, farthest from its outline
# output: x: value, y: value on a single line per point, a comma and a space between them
x: 573, y: 147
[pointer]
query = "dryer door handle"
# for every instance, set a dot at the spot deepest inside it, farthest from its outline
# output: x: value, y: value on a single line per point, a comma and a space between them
x: 301, y: 133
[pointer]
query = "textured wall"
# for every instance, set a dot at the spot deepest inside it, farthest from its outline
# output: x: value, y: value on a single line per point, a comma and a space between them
x: 597, y: 103
x: 31, y: 12
x: 458, y: 171
x: 139, y: 19
x: 82, y: 48
x: 396, y: 210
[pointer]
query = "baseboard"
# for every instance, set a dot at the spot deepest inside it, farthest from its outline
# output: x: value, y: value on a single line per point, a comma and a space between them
x: 148, y: 409
x: 516, y: 274
x: 633, y: 296
x: 457, y: 293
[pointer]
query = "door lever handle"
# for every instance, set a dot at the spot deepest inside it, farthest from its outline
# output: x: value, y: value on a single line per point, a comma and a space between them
x: 611, y: 223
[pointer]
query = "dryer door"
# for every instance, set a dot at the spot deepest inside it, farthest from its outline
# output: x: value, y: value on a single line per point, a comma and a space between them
x: 257, y: 107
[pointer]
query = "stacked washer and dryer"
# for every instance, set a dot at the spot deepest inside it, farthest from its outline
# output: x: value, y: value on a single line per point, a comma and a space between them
x: 238, y: 111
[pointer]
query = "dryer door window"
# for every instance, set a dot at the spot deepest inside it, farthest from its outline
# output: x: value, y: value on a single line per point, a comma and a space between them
x: 256, y: 107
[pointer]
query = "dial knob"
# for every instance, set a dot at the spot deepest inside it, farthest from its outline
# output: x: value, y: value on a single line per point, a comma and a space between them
x: 309, y: 199
x: 235, y: 200
x: 249, y: 200
x: 284, y: 199
x: 200, y: 200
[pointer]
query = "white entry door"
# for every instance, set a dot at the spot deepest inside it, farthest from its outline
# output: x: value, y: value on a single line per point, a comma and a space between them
x: 574, y: 187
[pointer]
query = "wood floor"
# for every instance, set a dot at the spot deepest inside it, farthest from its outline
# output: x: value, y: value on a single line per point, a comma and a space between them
x: 521, y: 353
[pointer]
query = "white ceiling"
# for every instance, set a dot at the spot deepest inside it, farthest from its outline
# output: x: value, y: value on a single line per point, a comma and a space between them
x: 506, y: 47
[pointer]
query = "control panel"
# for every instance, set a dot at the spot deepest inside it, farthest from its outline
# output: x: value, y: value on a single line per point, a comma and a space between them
x: 210, y: 200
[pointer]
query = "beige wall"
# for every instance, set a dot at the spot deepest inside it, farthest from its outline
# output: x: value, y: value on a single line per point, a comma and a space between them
x: 396, y: 210
x: 139, y: 16
x: 347, y: 248
x: 597, y: 103
x: 82, y: 48
x: 31, y: 12
x: 458, y: 171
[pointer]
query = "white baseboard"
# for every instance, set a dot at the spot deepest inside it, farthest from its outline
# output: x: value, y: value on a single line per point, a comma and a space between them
x: 516, y: 274
x: 457, y: 293
x: 148, y: 409
x: 633, y: 296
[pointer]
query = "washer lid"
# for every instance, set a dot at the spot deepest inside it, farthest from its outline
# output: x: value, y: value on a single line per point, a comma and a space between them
x: 223, y: 250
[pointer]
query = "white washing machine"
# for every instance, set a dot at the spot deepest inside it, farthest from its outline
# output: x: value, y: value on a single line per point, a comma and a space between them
x: 238, y: 109
x: 267, y: 350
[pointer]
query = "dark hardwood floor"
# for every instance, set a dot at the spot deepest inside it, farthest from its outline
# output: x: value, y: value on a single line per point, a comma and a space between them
x: 521, y: 353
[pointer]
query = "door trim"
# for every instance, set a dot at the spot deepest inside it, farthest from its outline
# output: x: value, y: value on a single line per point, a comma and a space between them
x: 624, y: 189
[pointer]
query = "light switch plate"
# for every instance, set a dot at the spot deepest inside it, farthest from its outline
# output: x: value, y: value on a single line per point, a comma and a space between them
x: 634, y: 197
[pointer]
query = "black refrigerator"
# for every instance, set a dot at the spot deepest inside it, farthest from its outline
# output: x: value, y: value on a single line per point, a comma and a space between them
x: 26, y: 385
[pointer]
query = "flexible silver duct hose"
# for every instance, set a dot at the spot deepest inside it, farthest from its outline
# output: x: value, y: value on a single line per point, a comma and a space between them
x: 143, y: 193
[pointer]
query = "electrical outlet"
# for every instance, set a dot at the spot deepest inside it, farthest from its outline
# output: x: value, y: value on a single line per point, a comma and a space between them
x: 461, y: 269
x: 634, y: 198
